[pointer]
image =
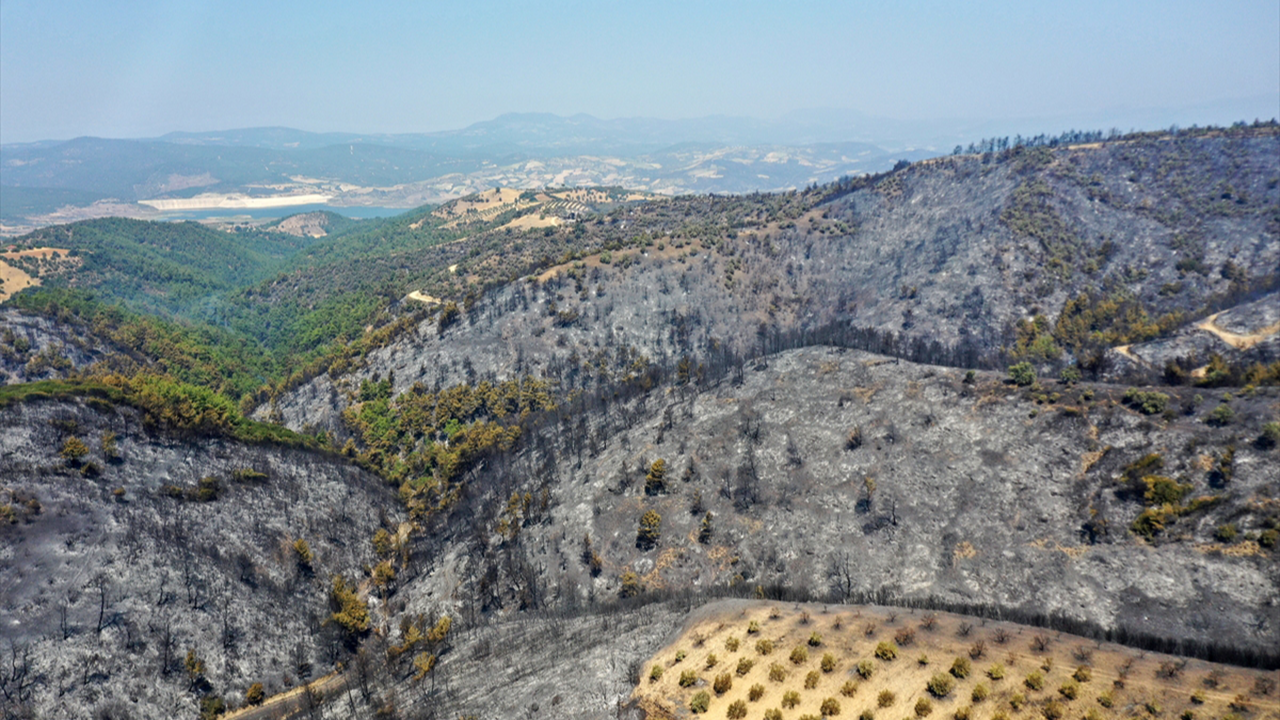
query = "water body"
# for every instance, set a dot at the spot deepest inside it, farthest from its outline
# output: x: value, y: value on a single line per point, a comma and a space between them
x: 357, y: 213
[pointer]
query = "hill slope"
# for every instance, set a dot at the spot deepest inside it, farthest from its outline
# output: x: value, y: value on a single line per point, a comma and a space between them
x: 580, y: 413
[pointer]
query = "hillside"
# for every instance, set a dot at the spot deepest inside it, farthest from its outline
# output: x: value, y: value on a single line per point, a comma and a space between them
x: 153, y: 544
x: 899, y: 263
x: 163, y: 266
x: 1037, y: 384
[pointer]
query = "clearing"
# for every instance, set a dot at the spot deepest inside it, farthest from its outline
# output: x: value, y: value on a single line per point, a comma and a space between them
x: 48, y: 260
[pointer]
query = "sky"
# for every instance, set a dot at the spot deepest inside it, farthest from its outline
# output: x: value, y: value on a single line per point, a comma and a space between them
x: 140, y: 69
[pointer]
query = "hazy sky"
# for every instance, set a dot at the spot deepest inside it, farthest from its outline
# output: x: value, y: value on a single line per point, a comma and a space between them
x: 131, y: 69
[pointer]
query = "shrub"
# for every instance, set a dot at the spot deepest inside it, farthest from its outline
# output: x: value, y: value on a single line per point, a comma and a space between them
x: 830, y: 706
x: 680, y: 655
x: 923, y: 707
x: 255, y: 694
x: 1198, y: 697
x: 744, y: 666
x: 1239, y: 703
x: 886, y: 651
x: 1022, y: 374
x: 815, y: 639
x: 799, y: 655
x: 699, y: 702
x: 1082, y: 674
x: 828, y: 662
x: 655, y: 673
x: 1147, y: 403
x: 996, y: 672
x: 865, y: 668
x: 449, y: 315
x: 1270, y: 436
x: 1034, y: 681
x: 849, y: 688
x: 905, y: 636
x: 737, y: 710
x: 866, y: 715
x: 712, y: 660
x: 811, y: 680
x: 211, y: 706
x: 1069, y: 690
x: 1221, y: 416
x: 723, y: 683
x: 885, y: 698
x: 72, y: 450
x: 110, y: 449
x: 384, y: 574
x: 650, y: 531
x: 756, y: 692
x: 1106, y: 699
x: 961, y: 668
x: 1093, y: 714
x: 1226, y: 533
x: 773, y: 714
x: 977, y: 650
x: 941, y: 685
x: 1017, y: 701
x: 1052, y: 710
x: 655, y: 482
x: 790, y: 699
x: 731, y: 644
x: 753, y: 627
x: 1163, y: 490
x: 688, y: 678
x: 630, y: 585
x: 777, y: 673
x: 382, y: 543
x: 923, y: 660
x: 352, y: 613
x: 980, y: 693
x: 764, y: 646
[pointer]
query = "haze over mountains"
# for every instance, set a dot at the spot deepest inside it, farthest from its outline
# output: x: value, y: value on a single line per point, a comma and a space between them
x: 50, y: 181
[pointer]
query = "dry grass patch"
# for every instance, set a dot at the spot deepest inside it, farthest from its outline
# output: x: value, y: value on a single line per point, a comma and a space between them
x: 50, y: 261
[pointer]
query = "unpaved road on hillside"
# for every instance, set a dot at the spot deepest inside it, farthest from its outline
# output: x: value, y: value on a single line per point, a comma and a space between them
x: 1240, y: 342
x: 290, y: 703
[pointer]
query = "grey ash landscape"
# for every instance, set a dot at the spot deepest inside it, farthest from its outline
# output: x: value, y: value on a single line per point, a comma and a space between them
x: 493, y: 458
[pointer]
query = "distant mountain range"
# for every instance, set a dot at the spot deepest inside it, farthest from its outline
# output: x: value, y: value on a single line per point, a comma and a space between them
x: 49, y: 182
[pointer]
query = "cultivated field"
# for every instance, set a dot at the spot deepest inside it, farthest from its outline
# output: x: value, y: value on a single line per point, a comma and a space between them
x: 769, y: 660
